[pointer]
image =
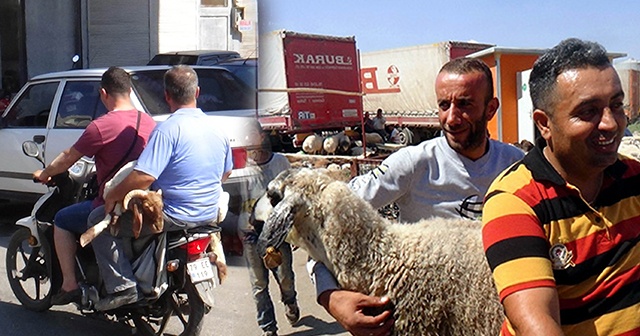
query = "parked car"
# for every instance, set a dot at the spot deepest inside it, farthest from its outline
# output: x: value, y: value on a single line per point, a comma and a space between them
x: 193, y: 57
x: 244, y: 68
x: 53, y: 110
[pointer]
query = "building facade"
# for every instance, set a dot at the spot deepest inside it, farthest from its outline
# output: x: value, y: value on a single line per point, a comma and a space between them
x: 42, y: 36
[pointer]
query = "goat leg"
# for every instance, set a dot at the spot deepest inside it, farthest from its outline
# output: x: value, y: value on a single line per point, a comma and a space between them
x: 94, y: 231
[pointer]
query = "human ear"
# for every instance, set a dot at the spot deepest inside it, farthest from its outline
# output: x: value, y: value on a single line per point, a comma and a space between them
x: 541, y: 120
x: 492, y: 107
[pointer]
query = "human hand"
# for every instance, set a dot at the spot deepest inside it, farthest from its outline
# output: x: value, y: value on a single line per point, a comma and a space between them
x: 351, y: 310
x: 38, y: 176
x: 109, y: 205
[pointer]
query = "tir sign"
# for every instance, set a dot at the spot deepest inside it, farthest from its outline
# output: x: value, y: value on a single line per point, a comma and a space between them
x: 369, y: 79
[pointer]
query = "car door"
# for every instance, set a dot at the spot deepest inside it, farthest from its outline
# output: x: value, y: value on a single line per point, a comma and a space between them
x: 25, y: 119
x: 78, y: 105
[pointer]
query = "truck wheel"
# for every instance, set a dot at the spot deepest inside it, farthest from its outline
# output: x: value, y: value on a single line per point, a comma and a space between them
x: 405, y: 137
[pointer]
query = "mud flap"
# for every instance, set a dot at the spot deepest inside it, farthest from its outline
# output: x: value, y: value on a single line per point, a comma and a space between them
x: 205, y: 290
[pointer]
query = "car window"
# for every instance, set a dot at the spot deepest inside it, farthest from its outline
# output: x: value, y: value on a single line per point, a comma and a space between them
x: 173, y: 60
x: 246, y: 73
x: 33, y: 107
x: 79, y: 105
x: 219, y: 91
x: 149, y: 86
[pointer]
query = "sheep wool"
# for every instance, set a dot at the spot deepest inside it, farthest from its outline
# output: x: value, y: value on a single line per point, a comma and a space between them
x: 434, y: 271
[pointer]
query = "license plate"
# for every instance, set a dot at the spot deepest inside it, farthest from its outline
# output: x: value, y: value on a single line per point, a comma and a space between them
x: 200, y: 270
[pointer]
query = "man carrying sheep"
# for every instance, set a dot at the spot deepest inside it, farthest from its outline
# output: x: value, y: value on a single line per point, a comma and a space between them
x: 560, y: 228
x: 442, y: 177
x: 188, y: 158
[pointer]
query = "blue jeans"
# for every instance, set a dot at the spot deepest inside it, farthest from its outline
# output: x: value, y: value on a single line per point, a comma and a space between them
x: 259, y: 277
x: 74, y: 217
x: 115, y: 268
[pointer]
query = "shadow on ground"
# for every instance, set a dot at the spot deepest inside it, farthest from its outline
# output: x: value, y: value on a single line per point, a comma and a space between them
x: 16, y: 320
x: 318, y: 327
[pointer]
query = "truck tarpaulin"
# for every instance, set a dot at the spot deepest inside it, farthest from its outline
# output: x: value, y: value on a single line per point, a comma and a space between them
x: 308, y: 82
x: 401, y: 81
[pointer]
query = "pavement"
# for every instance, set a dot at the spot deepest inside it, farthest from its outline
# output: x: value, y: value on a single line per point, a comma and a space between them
x: 233, y: 314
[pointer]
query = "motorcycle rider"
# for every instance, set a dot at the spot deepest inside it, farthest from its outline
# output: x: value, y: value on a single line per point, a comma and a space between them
x: 188, y: 158
x: 106, y: 139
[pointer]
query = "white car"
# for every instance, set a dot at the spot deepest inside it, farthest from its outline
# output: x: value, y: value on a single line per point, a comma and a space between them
x: 53, y: 110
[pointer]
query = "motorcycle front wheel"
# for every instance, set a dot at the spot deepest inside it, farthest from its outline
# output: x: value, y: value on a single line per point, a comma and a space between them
x: 29, y: 271
x: 187, y: 306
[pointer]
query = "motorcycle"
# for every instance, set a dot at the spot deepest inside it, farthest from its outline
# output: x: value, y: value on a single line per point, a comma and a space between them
x: 176, y: 270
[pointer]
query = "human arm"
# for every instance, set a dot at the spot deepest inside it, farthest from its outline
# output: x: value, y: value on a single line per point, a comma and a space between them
x: 534, y: 311
x: 225, y: 176
x: 135, y: 180
x: 350, y: 308
x: 61, y: 163
x: 388, y: 182
x: 517, y: 250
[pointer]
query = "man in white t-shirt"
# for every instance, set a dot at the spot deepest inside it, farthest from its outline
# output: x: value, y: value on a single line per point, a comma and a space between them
x: 442, y: 177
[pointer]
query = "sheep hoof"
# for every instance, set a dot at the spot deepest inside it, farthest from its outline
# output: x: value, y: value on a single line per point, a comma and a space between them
x: 273, y: 258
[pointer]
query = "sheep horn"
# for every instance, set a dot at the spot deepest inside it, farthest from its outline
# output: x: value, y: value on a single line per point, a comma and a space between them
x: 131, y: 194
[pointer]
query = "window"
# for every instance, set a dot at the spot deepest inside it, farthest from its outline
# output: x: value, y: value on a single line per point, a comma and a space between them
x: 33, y: 107
x: 214, y: 3
x: 79, y: 105
x: 219, y: 91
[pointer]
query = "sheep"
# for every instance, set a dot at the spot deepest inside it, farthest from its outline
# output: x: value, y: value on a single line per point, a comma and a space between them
x: 433, y: 271
x: 330, y: 144
x: 312, y: 144
x: 374, y: 138
x: 146, y: 206
x: 344, y: 144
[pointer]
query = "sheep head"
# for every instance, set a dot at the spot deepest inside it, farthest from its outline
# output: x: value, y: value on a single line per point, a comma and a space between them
x: 147, y: 208
x: 294, y: 215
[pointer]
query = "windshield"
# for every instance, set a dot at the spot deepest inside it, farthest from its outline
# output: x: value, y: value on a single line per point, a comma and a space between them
x: 219, y: 91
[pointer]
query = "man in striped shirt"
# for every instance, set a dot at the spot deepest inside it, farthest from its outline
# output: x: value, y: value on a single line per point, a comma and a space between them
x: 560, y: 228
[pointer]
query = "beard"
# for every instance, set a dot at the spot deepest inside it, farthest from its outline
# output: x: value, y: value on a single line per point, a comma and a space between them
x: 475, y: 137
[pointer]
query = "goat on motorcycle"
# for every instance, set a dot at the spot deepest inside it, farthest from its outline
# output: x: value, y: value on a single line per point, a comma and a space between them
x: 188, y: 158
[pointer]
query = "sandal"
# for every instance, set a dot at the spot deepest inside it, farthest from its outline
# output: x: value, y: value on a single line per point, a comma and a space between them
x: 63, y: 297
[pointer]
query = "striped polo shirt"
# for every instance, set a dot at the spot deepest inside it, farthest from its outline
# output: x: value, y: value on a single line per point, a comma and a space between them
x: 538, y: 231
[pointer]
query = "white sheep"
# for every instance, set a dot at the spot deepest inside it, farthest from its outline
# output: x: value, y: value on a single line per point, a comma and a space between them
x: 312, y: 144
x: 330, y: 144
x: 433, y: 271
x: 146, y: 205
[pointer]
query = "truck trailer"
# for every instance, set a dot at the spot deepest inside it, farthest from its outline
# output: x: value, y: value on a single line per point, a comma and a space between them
x: 401, y: 81
x: 307, y: 84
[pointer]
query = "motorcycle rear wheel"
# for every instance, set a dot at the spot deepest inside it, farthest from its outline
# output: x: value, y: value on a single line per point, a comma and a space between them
x: 190, y: 313
x: 29, y: 271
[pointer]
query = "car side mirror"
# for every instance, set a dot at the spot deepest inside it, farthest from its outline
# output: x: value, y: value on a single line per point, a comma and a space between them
x: 31, y: 149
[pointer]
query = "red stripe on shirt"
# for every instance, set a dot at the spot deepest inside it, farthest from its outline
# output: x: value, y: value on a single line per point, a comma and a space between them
x: 598, y: 243
x: 506, y: 227
x: 526, y: 285
x: 604, y: 290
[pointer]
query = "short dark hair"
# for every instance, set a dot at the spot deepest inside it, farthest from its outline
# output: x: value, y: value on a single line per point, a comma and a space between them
x: 181, y: 83
x: 569, y: 54
x: 116, y: 81
x: 465, y: 65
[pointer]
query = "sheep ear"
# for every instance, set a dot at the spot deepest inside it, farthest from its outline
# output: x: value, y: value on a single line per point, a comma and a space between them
x: 279, y: 223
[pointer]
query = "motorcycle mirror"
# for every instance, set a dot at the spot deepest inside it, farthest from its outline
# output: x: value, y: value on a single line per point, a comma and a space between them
x: 75, y: 58
x: 31, y: 149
